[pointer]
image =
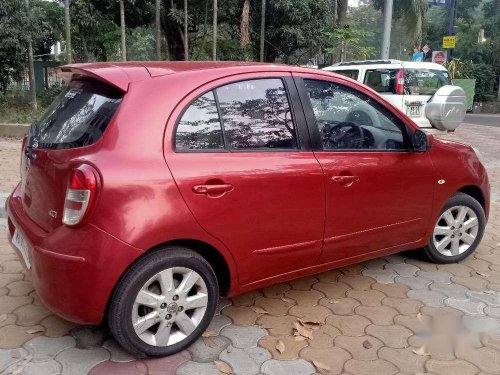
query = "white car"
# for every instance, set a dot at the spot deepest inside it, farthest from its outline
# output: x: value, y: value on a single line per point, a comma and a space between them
x: 408, y: 85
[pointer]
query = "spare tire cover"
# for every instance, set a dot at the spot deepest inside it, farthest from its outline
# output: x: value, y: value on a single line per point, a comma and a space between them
x: 446, y: 109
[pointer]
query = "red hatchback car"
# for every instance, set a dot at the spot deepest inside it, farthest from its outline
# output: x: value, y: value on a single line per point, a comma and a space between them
x: 149, y: 189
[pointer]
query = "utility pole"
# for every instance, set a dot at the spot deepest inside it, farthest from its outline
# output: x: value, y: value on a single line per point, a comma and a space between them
x: 262, y: 29
x: 386, y: 37
x: 186, y: 45
x: 214, y: 44
x: 67, y: 22
x: 122, y: 28
x: 31, y: 70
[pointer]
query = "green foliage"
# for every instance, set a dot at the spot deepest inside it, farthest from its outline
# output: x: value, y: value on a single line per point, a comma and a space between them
x: 485, y: 78
x: 141, y: 44
x: 354, y: 40
x: 16, y: 109
x: 460, y: 69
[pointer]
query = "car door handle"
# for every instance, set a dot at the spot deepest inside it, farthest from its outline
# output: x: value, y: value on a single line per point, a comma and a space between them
x: 218, y: 189
x: 345, y: 180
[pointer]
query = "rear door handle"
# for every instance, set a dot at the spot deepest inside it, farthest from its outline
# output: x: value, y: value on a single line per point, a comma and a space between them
x: 218, y: 189
x: 345, y: 180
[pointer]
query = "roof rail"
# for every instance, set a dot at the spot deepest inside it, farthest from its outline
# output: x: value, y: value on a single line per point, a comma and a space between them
x: 367, y: 62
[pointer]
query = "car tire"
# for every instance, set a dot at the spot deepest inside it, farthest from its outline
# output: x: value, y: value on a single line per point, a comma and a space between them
x: 157, y: 289
x: 459, y: 231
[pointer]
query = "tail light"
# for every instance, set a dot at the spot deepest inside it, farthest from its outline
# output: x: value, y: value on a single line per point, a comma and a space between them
x: 79, y: 194
x: 400, y: 82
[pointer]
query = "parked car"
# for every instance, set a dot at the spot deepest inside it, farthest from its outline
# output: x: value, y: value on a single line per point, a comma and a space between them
x: 409, y: 86
x: 149, y: 189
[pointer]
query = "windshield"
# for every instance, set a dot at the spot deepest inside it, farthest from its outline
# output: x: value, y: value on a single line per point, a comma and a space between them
x: 77, y: 117
x: 425, y: 81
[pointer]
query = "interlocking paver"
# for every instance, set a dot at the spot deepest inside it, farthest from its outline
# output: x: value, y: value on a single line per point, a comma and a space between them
x: 332, y: 289
x: 277, y: 325
x: 274, y: 306
x: 119, y: 368
x: 467, y: 306
x: 330, y: 276
x: 380, y: 315
x: 486, y: 359
x: 481, y: 323
x: 349, y: 325
x: 8, y: 303
x: 334, y: 358
x: 368, y: 297
x: 305, y: 298
x: 246, y: 299
x: 44, y: 348
x: 299, y: 366
x: 276, y: 291
x: 382, y: 276
x: 457, y: 269
x: 394, y: 336
x: 244, y: 337
x: 8, y: 358
x: 19, y: 288
x: 14, y: 336
x: 313, y: 314
x: 357, y: 282
x: 208, y: 349
x: 403, y: 305
x: 378, y: 366
x: 292, y: 347
x: 89, y: 337
x: 395, y: 290
x: 375, y: 264
x: 491, y: 299
x: 56, y: 326
x: 50, y: 367
x: 222, y: 304
x: 404, y: 359
x: 76, y: 361
x: 472, y: 283
x: 403, y: 269
x: 245, y: 361
x: 414, y: 282
x: 454, y: 291
x: 340, y: 306
x: 428, y: 297
x: 217, y: 323
x: 363, y: 348
x: 166, y: 365
x: 118, y: 354
x: 451, y: 367
x: 29, y: 315
x: 304, y: 283
x: 190, y: 368
x: 241, y: 315
x: 436, y: 276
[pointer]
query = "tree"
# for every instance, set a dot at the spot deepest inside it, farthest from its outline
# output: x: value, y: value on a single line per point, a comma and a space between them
x: 214, y: 27
x: 262, y: 29
x: 122, y: 30
x: 67, y: 23
x: 31, y: 65
x: 158, y: 29
x: 186, y: 34
x: 245, y: 24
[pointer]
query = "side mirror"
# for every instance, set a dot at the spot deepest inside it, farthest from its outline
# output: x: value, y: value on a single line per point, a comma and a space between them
x: 420, y: 141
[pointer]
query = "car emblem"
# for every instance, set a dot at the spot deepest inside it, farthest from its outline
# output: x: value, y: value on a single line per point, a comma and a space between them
x: 53, y: 214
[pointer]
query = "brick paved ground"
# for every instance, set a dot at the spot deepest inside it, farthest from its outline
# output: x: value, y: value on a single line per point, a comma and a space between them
x: 397, y: 314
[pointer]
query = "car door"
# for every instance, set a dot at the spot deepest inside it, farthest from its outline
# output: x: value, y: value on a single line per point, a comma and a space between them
x: 240, y: 157
x: 378, y: 191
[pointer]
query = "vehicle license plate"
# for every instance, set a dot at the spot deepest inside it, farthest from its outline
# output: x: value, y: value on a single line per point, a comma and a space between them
x: 413, y: 110
x: 21, y: 244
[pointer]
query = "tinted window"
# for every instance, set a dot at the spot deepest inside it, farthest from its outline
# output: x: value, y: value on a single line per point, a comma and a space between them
x: 77, y: 117
x: 200, y: 126
x: 381, y: 80
x: 348, y: 119
x: 256, y: 115
x: 425, y: 81
x: 348, y: 73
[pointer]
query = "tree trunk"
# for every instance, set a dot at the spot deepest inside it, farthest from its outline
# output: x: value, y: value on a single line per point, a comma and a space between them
x: 67, y: 22
x: 31, y: 72
x: 186, y: 36
x: 214, y: 44
x: 262, y: 29
x: 245, y: 24
x: 342, y: 10
x: 122, y: 29
x: 158, y: 29
x: 497, y: 8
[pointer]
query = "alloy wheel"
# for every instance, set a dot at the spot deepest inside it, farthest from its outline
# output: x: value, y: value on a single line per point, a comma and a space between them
x: 169, y: 306
x: 455, y: 231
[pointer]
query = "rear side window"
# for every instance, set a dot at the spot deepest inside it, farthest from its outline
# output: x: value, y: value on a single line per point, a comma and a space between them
x: 77, y: 117
x: 425, y: 81
x: 200, y: 127
x: 381, y: 80
x: 256, y: 115
x: 348, y: 73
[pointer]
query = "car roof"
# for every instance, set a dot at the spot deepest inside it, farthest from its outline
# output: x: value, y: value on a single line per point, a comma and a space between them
x: 120, y: 74
x: 381, y: 64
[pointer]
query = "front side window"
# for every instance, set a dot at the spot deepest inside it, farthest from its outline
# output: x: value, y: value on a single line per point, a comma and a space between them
x: 256, y: 115
x: 350, y: 120
x: 200, y: 126
x: 381, y: 80
x: 348, y: 73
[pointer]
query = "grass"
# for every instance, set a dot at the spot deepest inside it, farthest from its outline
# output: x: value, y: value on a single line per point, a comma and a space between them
x: 15, y: 108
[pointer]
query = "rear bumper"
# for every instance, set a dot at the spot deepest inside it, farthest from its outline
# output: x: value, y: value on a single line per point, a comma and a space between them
x: 74, y: 270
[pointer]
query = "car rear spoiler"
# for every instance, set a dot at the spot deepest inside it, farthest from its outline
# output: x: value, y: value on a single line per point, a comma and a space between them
x: 119, y: 76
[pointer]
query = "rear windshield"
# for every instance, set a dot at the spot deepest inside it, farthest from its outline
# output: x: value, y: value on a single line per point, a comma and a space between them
x: 77, y: 117
x: 425, y: 81
x: 348, y: 73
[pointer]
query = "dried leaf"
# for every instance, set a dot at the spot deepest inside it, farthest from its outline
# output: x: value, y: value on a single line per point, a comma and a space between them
x: 259, y: 310
x: 301, y: 330
x: 482, y: 274
x: 299, y: 338
x: 3, y: 318
x: 280, y: 347
x: 208, y: 334
x: 210, y: 342
x: 287, y: 300
x: 421, y: 351
x: 321, y: 367
x: 34, y: 330
x: 419, y: 316
x: 367, y: 344
x: 333, y: 301
x: 223, y: 367
x: 489, y: 292
x: 310, y: 324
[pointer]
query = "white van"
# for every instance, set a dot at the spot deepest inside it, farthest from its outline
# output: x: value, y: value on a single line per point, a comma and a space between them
x: 408, y: 85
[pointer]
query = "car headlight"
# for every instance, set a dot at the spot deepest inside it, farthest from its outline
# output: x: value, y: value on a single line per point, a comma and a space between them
x: 479, y: 155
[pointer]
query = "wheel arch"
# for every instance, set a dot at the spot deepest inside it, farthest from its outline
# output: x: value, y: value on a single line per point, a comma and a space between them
x: 475, y: 192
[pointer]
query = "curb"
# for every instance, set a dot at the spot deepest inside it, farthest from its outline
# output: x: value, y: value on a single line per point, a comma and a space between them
x: 13, y: 130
